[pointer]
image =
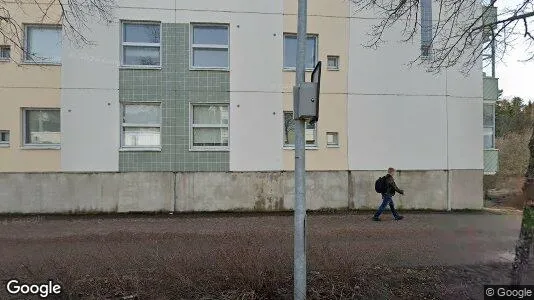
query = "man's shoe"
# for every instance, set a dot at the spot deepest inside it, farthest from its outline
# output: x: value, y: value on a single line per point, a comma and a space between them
x: 376, y: 219
x: 399, y: 218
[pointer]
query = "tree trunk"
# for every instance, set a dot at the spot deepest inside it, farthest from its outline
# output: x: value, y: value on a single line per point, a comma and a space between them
x: 524, y: 243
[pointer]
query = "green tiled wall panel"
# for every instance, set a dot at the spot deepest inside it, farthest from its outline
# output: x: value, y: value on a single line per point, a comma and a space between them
x: 176, y: 87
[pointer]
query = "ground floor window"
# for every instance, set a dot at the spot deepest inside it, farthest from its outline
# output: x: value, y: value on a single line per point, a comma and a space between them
x: 489, y: 125
x: 41, y: 127
x: 4, y: 138
x: 141, y: 125
x: 289, y: 131
x: 209, y: 128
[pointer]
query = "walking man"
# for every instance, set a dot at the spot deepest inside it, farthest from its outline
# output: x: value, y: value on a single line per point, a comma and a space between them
x: 387, y: 187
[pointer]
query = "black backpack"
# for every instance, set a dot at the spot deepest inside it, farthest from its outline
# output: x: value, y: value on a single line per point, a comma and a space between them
x: 381, y: 185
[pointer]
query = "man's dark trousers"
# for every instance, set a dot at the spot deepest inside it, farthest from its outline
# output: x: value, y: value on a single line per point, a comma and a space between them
x: 386, y: 200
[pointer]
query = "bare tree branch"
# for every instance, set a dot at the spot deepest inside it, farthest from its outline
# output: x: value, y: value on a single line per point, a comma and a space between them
x: 73, y: 15
x: 461, y: 31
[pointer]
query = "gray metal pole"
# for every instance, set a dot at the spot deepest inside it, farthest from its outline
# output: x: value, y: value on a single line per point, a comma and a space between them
x: 299, y: 271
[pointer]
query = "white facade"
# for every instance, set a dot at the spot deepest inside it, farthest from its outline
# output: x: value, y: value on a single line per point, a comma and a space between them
x: 397, y: 115
x: 406, y: 117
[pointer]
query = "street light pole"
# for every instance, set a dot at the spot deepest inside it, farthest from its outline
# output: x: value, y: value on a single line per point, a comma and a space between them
x: 299, y: 266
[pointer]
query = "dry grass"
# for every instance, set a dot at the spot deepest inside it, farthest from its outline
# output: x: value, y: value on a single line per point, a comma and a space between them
x: 505, y: 188
x: 513, y: 154
x: 249, y: 272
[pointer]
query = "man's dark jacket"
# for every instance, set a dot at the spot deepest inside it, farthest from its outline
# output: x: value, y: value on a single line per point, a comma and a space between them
x: 391, y: 187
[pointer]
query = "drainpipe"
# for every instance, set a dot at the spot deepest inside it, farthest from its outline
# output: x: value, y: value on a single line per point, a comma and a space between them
x: 449, y: 206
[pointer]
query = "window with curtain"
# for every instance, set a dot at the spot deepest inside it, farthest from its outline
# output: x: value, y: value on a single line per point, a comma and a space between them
x: 210, y: 127
x: 290, y: 51
x: 141, y: 125
x: 141, y: 44
x: 426, y: 28
x: 43, y: 44
x: 42, y: 127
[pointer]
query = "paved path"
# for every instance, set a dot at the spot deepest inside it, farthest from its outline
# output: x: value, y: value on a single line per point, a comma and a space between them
x: 334, y: 240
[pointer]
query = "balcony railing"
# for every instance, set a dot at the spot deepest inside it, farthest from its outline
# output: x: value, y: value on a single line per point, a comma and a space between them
x: 491, y: 88
x: 491, y: 161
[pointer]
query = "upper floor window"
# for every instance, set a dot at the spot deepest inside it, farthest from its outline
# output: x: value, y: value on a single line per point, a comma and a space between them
x: 42, y: 44
x: 210, y: 46
x: 426, y: 28
x: 141, y: 44
x: 290, y: 51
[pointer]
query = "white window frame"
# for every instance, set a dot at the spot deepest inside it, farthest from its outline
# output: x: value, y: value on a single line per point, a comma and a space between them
x: 314, y: 146
x: 8, y: 47
x: 316, y: 37
x: 192, y: 126
x: 492, y: 127
x: 328, y: 145
x: 133, y: 44
x: 5, y: 144
x: 192, y: 46
x: 335, y: 68
x: 24, y: 130
x: 25, y: 58
x: 135, y: 125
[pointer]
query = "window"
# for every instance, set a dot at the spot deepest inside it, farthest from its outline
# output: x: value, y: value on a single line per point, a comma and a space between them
x: 141, y: 126
x: 489, y: 125
x: 290, y: 51
x: 333, y: 63
x: 289, y: 131
x: 4, y: 138
x: 5, y: 52
x: 209, y: 47
x: 141, y: 44
x: 42, y: 127
x: 43, y: 44
x: 426, y: 28
x: 332, y: 139
x: 209, y: 126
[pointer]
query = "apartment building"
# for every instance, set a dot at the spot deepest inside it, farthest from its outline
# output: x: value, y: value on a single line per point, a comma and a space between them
x: 195, y: 86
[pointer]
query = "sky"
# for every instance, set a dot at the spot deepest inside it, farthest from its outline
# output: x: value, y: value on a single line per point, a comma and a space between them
x: 516, y: 78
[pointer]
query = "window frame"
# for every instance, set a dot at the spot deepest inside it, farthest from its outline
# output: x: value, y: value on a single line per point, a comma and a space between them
x: 134, y: 44
x: 8, y: 47
x: 194, y: 148
x: 24, y: 130
x: 492, y: 103
x: 5, y: 144
x: 193, y: 46
x: 314, y: 146
x: 328, y: 145
x: 25, y: 58
x: 337, y: 58
x: 316, y: 58
x: 426, y: 46
x: 123, y: 147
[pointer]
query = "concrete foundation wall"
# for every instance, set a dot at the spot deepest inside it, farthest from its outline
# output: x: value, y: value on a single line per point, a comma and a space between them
x: 72, y: 193
x: 229, y: 191
x: 423, y: 189
x: 258, y: 191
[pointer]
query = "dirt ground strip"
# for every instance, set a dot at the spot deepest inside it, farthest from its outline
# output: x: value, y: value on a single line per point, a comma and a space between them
x: 424, y: 256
